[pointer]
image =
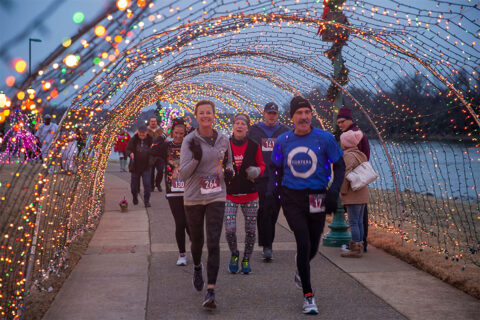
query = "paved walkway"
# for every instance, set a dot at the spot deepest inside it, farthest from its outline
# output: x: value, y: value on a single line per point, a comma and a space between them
x: 129, y: 272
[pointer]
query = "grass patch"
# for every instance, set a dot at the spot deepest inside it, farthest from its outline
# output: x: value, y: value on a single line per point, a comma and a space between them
x: 39, y: 300
x: 428, y: 260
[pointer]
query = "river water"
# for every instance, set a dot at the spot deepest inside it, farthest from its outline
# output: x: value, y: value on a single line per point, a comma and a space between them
x: 447, y: 170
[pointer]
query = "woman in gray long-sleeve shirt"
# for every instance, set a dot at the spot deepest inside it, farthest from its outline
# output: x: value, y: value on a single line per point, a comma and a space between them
x: 205, y: 164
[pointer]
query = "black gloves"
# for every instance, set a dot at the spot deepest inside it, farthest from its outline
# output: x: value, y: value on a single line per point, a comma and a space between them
x: 196, y: 150
x: 228, y: 175
x: 332, y: 194
x: 331, y: 201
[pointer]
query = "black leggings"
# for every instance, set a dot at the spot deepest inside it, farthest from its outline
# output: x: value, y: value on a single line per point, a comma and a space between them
x: 267, y: 215
x: 213, y: 214
x: 307, y: 228
x: 178, y: 212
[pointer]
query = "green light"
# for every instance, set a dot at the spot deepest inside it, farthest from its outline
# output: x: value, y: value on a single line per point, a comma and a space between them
x: 64, y: 70
x: 78, y: 17
x: 96, y: 60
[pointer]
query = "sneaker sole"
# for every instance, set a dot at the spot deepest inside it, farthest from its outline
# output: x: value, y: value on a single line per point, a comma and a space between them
x: 209, y: 305
x: 230, y: 271
x: 181, y: 264
x: 250, y: 272
x: 312, y: 311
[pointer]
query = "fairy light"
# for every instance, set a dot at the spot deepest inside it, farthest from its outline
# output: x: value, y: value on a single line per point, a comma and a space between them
x: 242, y: 59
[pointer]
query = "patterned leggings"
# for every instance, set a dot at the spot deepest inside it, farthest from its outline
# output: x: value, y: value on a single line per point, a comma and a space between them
x: 249, y: 210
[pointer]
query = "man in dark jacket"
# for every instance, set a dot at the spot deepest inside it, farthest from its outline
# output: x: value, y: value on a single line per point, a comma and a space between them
x: 138, y: 150
x: 345, y: 123
x: 155, y: 131
x: 265, y: 134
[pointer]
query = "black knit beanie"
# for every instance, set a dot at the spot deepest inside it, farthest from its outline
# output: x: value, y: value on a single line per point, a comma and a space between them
x: 297, y: 103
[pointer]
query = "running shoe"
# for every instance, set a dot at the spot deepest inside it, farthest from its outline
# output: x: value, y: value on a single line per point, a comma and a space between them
x: 233, y: 266
x: 267, y: 254
x: 309, y: 306
x: 182, y: 260
x: 246, y: 266
x: 209, y: 302
x: 297, y: 280
x: 198, y: 282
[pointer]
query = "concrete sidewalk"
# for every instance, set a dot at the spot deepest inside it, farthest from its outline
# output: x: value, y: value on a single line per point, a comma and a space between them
x: 129, y: 272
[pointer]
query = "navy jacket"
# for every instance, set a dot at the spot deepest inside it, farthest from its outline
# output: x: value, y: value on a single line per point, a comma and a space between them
x: 259, y: 136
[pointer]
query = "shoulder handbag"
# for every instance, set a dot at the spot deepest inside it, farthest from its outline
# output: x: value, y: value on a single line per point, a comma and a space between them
x: 362, y: 175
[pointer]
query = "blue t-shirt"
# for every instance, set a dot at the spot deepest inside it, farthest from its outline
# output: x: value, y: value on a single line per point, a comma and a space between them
x: 269, y: 130
x: 306, y: 159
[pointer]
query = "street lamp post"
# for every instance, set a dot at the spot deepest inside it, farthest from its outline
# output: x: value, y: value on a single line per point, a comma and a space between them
x: 333, y: 32
x: 30, y: 40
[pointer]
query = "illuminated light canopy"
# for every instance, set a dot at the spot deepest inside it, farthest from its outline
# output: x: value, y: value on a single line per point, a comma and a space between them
x: 3, y: 99
x: 20, y: 95
x: 20, y: 65
x: 123, y: 4
x: 100, y: 31
x: 46, y: 86
x: 71, y: 61
x: 243, y: 55
x: 159, y: 79
x: 10, y: 81
x: 66, y: 42
x: 78, y: 17
x: 31, y: 91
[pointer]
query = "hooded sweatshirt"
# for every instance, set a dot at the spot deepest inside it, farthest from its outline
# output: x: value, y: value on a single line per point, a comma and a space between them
x: 204, y: 179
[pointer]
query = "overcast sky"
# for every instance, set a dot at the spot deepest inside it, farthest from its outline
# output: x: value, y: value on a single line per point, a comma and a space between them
x: 16, y: 15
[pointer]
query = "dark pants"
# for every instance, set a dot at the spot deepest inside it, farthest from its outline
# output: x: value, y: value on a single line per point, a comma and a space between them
x: 178, y: 212
x: 365, y: 226
x: 135, y: 184
x: 267, y: 215
x: 212, y: 213
x: 307, y: 228
x: 157, y: 181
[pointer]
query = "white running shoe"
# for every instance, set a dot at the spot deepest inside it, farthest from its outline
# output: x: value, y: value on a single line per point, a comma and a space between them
x: 182, y: 260
x: 309, y: 306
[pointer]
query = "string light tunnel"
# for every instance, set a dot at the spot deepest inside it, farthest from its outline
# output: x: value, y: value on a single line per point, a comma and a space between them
x: 409, y: 72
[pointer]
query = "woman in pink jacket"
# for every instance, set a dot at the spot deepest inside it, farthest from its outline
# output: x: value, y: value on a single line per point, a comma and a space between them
x: 354, y: 201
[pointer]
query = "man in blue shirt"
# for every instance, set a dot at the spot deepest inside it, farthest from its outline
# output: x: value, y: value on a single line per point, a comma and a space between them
x: 301, y: 161
x: 265, y: 134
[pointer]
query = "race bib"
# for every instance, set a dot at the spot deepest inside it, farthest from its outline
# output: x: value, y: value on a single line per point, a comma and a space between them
x: 317, y: 202
x: 178, y: 185
x: 210, y: 184
x: 268, y: 143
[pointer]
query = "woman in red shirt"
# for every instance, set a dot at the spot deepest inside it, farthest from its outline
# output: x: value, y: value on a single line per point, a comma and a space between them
x: 120, y: 147
x: 248, y: 165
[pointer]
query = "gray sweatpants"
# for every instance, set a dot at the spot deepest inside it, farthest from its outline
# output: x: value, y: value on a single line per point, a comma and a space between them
x: 212, y: 213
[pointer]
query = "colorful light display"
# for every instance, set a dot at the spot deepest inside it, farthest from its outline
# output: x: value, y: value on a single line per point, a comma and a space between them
x: 412, y: 82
